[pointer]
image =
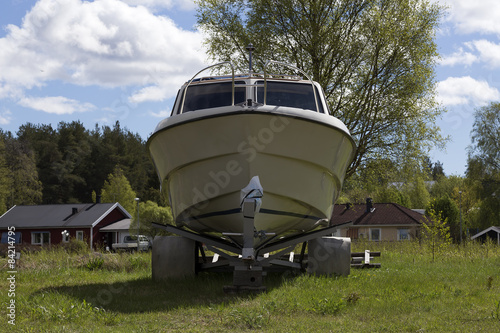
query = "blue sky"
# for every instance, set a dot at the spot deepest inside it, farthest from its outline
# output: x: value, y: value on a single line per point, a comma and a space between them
x: 107, y: 60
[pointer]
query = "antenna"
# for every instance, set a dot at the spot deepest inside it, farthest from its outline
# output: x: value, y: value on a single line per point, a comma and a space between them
x: 250, y: 48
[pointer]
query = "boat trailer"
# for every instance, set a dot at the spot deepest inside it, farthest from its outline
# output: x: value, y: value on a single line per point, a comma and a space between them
x: 327, y: 255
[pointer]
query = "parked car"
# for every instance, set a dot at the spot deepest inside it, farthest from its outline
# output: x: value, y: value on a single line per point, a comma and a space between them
x: 130, y: 244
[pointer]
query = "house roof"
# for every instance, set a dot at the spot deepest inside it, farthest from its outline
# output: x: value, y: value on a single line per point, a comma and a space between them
x: 381, y: 214
x: 122, y: 225
x: 59, y: 216
x: 491, y: 231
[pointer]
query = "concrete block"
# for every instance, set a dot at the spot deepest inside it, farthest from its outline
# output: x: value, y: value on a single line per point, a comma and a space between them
x: 329, y: 256
x: 173, y: 257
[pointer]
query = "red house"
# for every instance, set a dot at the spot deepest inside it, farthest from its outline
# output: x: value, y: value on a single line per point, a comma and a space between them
x: 55, y: 224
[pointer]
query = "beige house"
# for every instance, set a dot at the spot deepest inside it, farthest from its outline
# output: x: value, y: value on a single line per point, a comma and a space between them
x: 377, y: 221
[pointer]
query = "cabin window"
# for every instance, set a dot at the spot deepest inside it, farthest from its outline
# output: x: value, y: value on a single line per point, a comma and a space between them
x: 403, y: 234
x: 212, y: 95
x: 177, y: 99
x: 40, y: 238
x: 79, y: 235
x: 295, y: 95
x: 375, y: 234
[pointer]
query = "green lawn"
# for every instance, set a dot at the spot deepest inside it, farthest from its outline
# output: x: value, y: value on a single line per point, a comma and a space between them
x: 457, y: 292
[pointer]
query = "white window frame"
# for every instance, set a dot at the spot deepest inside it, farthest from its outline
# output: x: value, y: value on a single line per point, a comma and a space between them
x: 379, y: 234
x: 65, y: 238
x: 79, y: 235
x: 407, y: 234
x: 34, y: 241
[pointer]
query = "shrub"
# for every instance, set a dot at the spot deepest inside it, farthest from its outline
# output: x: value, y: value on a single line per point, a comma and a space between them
x: 77, y: 247
x: 437, y: 232
x: 95, y: 263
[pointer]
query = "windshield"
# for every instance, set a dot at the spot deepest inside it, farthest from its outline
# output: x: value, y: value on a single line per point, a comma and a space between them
x: 291, y: 94
x: 212, y: 95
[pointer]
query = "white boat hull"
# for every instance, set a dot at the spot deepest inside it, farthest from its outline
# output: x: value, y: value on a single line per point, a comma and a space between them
x: 205, y: 158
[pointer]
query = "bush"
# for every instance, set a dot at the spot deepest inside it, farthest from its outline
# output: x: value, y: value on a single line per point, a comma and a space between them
x: 95, y: 263
x: 449, y: 212
x: 76, y: 246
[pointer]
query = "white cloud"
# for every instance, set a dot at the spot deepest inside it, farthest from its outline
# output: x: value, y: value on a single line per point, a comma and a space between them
x: 489, y: 52
x: 155, y: 4
x: 5, y: 117
x: 151, y: 93
x: 56, y: 105
x: 105, y: 43
x: 460, y: 57
x: 466, y: 90
x: 161, y: 114
x: 474, y: 16
x: 480, y: 51
x: 106, y: 120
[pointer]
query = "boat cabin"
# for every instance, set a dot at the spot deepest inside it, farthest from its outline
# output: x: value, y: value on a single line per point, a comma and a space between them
x: 250, y: 90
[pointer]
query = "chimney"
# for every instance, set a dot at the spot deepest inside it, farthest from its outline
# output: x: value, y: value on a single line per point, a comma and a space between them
x: 369, y: 205
x: 74, y: 210
x: 348, y: 206
x: 98, y: 199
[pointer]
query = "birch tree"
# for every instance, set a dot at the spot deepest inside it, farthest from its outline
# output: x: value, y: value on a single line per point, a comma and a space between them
x: 374, y: 59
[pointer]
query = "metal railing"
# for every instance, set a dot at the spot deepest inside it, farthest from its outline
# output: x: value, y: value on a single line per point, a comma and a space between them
x: 204, y: 69
x: 265, y: 74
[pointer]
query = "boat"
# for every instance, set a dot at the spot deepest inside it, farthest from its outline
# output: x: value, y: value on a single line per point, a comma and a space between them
x: 271, y: 134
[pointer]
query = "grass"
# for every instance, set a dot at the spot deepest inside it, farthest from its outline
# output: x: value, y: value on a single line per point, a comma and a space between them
x: 459, y: 291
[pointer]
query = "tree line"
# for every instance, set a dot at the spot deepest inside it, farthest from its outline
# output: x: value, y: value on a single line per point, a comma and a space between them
x: 66, y: 164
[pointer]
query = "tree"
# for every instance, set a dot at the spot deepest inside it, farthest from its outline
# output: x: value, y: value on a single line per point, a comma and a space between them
x: 116, y: 146
x: 486, y: 137
x: 25, y: 188
x: 447, y: 186
x: 74, y: 145
x: 43, y: 140
x: 434, y: 170
x: 462, y: 191
x: 449, y: 211
x: 373, y: 181
x: 150, y: 212
x: 374, y: 59
x: 485, y: 184
x: 117, y: 189
x: 72, y: 162
x: 391, y: 194
x: 418, y: 193
x: 483, y: 164
x: 437, y: 171
x: 436, y: 232
x: 4, y: 178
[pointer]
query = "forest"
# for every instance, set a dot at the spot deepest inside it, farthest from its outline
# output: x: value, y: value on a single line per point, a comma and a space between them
x: 46, y: 165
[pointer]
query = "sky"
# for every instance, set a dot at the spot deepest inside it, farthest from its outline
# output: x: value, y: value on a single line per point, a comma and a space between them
x: 106, y: 60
